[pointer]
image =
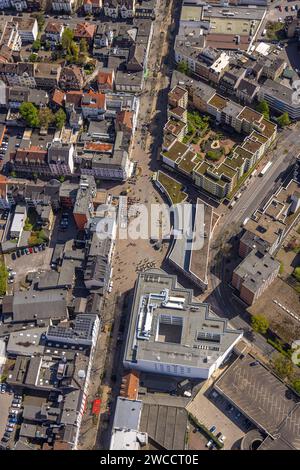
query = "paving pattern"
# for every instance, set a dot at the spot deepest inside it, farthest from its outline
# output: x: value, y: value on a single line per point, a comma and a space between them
x: 262, y: 396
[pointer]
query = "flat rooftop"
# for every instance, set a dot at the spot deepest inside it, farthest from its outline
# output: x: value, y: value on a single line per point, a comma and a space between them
x: 194, y: 261
x: 260, y: 395
x: 165, y: 425
x: 197, y: 337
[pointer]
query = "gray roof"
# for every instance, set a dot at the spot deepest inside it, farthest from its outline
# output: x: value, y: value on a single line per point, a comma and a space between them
x: 193, y: 261
x: 26, y: 342
x: 34, y: 305
x: 247, y: 87
x: 127, y: 414
x: 58, y: 152
x: 255, y: 269
x: 129, y: 79
x: 198, y: 340
x: 278, y: 91
x: 165, y: 425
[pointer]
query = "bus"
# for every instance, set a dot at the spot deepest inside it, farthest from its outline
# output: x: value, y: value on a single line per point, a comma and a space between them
x: 265, y: 169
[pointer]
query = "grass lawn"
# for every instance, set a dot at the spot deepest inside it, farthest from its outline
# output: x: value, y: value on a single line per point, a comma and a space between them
x: 3, y: 277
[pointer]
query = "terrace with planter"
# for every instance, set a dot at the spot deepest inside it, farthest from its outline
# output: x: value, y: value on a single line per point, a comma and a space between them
x: 170, y: 187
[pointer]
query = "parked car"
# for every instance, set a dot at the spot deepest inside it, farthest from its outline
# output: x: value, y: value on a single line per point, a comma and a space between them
x: 43, y: 246
x: 18, y: 253
x: 209, y: 443
x: 13, y: 256
x: 35, y: 249
x: 30, y: 250
x: 213, y: 429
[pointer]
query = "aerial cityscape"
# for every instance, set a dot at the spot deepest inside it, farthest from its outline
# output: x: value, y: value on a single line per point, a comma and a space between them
x: 149, y: 225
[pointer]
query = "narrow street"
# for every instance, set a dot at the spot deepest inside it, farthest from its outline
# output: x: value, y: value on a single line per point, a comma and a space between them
x: 107, y: 370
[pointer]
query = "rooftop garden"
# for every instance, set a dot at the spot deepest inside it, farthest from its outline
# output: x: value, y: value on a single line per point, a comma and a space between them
x: 172, y: 188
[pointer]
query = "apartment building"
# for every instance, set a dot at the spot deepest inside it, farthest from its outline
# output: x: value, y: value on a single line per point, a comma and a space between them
x: 92, y: 6
x: 61, y: 158
x: 280, y: 98
x: 27, y: 27
x: 53, y: 32
x: 111, y: 8
x: 67, y: 6
x: 254, y: 275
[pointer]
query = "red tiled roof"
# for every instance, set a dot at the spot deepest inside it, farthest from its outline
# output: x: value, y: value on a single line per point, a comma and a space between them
x: 58, y: 97
x: 125, y: 118
x: 53, y: 27
x: 101, y: 147
x: 85, y: 30
x: 74, y: 97
x: 105, y: 78
x: 130, y: 385
x: 94, y: 100
x: 32, y: 153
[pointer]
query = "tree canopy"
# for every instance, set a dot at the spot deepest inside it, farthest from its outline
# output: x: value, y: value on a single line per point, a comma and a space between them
x: 284, y: 120
x: 30, y: 114
x: 183, y: 67
x: 283, y: 366
x: 46, y: 117
x: 259, y: 324
x: 296, y: 385
x: 60, y: 118
x: 264, y: 109
x: 67, y: 39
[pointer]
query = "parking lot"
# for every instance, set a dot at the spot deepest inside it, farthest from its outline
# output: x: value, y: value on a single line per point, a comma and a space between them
x: 216, y: 411
x: 28, y: 263
x: 5, y: 403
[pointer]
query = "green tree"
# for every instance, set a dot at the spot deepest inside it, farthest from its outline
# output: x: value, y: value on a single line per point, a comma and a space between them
x: 259, y: 323
x: 67, y: 39
x: 30, y: 114
x: 183, y: 67
x: 46, y: 117
x: 296, y: 385
x: 213, y: 155
x: 33, y: 57
x: 284, y: 120
x: 264, y: 109
x: 283, y: 366
x: 74, y: 50
x: 60, y: 118
x: 83, y: 46
x: 296, y: 273
x: 36, y: 45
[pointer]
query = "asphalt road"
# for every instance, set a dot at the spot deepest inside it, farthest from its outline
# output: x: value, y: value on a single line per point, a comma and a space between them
x: 258, y: 189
